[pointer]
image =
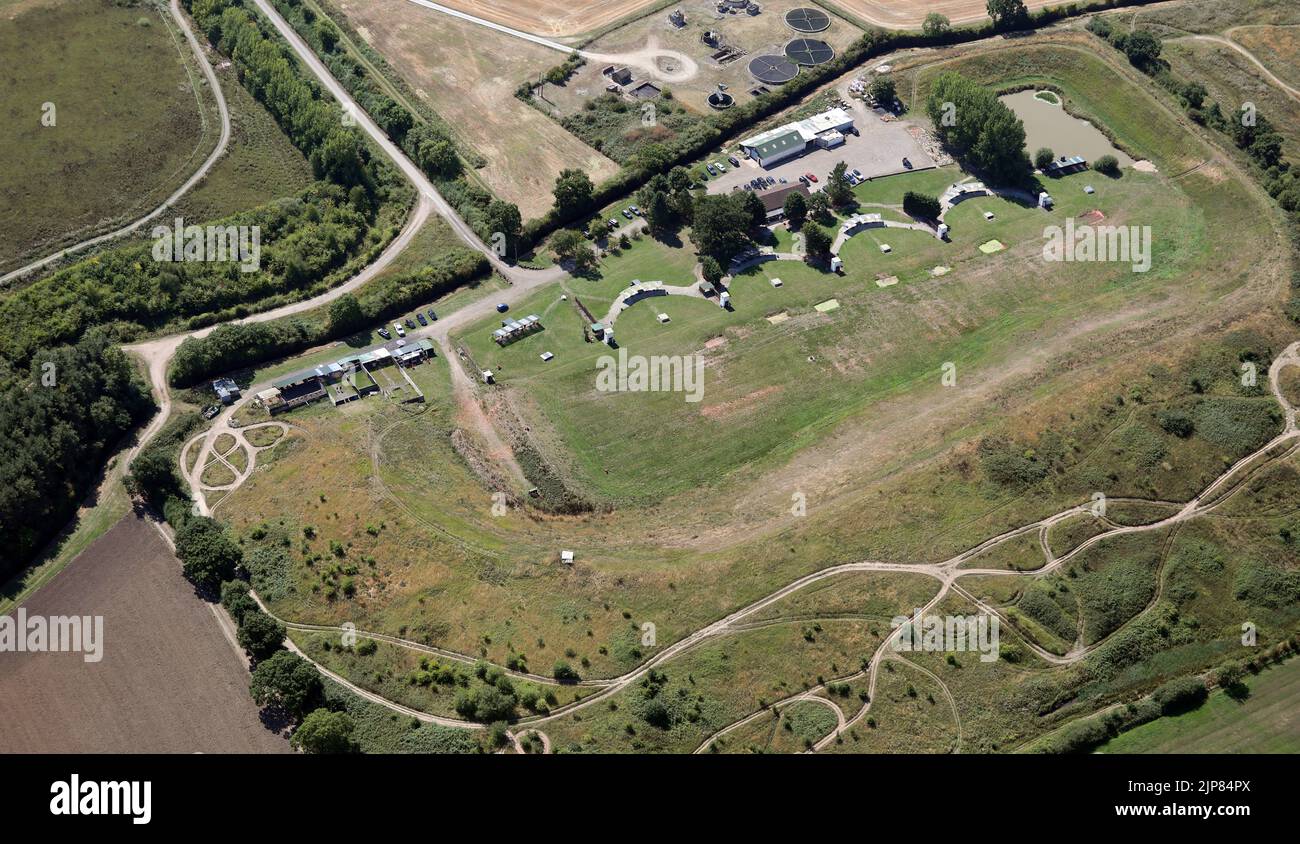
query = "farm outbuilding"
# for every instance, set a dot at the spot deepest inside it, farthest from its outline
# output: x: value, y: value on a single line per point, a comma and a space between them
x: 793, y: 139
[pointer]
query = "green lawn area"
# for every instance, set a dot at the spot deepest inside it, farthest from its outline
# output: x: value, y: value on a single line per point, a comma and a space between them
x: 129, y: 123
x: 771, y: 389
x: 1265, y: 722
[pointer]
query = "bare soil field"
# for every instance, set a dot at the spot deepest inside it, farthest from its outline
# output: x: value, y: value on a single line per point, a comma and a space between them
x: 169, y: 680
x: 469, y: 74
x: 551, y: 17
x: 908, y: 14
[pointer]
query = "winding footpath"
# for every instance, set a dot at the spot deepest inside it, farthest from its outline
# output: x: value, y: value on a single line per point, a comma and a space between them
x: 947, y: 572
x: 189, y: 183
x: 158, y: 354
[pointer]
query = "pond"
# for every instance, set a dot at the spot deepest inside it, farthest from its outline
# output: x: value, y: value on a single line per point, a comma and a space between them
x: 1050, y: 125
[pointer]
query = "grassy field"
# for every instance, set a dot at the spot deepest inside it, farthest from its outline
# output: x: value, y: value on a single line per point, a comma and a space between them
x: 1232, y: 79
x: 1265, y: 722
x: 260, y: 164
x: 132, y: 120
x: 1211, y: 16
x: 1066, y: 377
x: 1278, y: 47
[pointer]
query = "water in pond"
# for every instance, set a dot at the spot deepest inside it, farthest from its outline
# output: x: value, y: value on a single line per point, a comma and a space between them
x: 1048, y: 125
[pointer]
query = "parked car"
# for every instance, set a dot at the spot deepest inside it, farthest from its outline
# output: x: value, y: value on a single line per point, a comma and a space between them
x: 812, y: 177
x: 410, y: 323
x: 709, y: 167
x: 502, y: 307
x: 783, y: 180
x: 401, y: 332
x: 419, y: 317
x: 722, y: 168
x: 612, y: 223
x: 857, y: 174
x: 803, y: 180
x: 735, y: 162
x: 635, y: 210
x: 432, y: 316
x: 627, y: 212
x: 907, y: 164
x: 211, y: 411
x: 385, y: 333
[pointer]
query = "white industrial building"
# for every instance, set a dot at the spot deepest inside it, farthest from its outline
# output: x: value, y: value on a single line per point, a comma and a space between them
x: 793, y: 139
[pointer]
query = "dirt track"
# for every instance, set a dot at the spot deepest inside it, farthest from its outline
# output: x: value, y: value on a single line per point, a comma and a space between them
x: 168, y: 683
x: 551, y: 17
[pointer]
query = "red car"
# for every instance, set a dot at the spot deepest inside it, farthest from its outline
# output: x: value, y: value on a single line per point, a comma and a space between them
x: 810, y: 177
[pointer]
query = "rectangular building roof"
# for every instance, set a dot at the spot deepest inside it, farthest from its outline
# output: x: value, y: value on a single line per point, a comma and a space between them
x: 775, y: 142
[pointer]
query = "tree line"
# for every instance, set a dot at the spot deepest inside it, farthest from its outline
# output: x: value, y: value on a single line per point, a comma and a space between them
x: 304, y: 242
x: 59, y: 420
x: 236, y: 345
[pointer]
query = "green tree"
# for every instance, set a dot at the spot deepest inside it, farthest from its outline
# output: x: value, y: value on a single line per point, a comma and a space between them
x: 564, y: 673
x: 570, y: 245
x: 882, y: 91
x: 795, y: 209
x: 679, y: 179
x: 753, y: 208
x: 976, y: 126
x: 236, y: 600
x: 207, y: 555
x: 286, y: 682
x: 659, y: 213
x: 503, y: 218
x: 922, y: 206
x: 260, y: 635
x: 1142, y: 48
x: 573, y: 193
x: 721, y: 225
x: 816, y: 240
x: 345, y: 315
x: 433, y: 151
x: 819, y: 207
x: 838, y: 189
x: 1007, y: 14
x: 1107, y: 164
x: 711, y: 269
x: 935, y: 25
x: 1044, y: 157
x: 324, y: 731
